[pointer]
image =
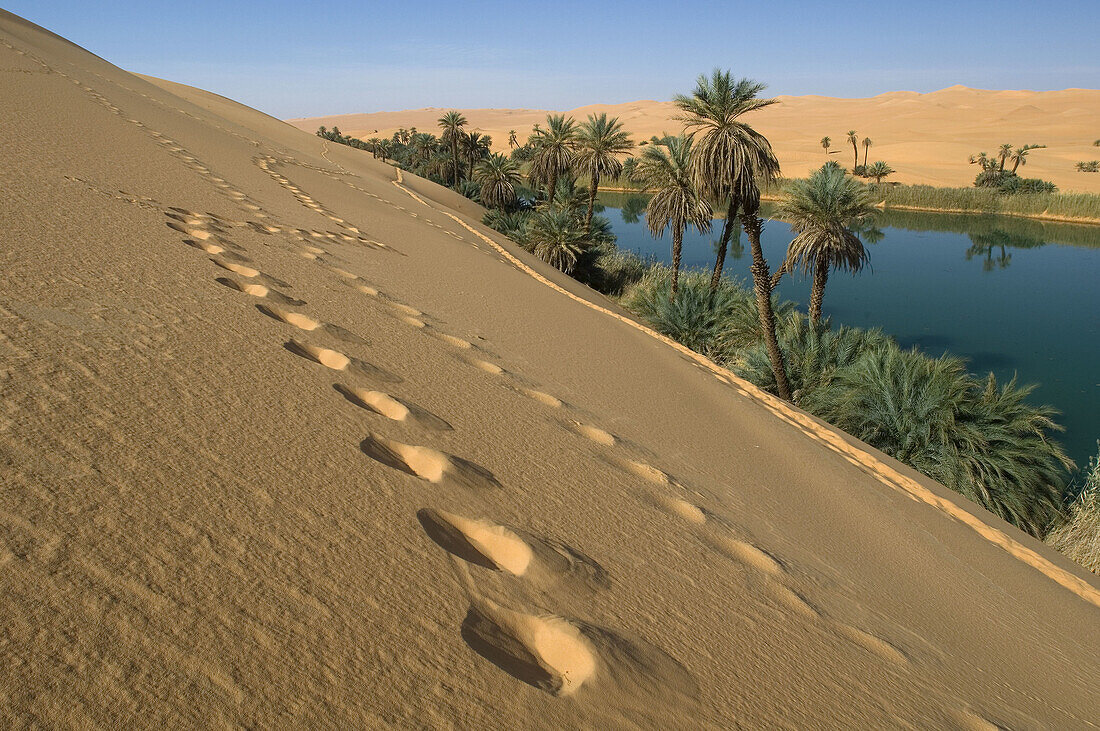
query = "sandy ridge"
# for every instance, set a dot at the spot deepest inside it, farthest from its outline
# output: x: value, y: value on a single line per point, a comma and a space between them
x: 811, y: 428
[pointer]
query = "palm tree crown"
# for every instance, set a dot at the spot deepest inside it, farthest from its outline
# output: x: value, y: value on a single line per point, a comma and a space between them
x: 664, y: 168
x: 731, y: 158
x: 599, y: 143
x: 822, y: 211
x: 498, y: 176
x: 553, y: 152
x: 452, y: 123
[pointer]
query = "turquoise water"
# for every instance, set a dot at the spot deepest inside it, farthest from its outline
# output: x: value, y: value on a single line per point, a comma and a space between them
x: 1012, y: 296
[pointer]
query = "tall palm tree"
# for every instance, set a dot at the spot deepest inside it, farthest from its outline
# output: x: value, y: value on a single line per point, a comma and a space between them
x: 866, y: 148
x: 1003, y: 153
x: 374, y: 142
x: 730, y: 162
x: 878, y: 171
x: 822, y: 210
x: 498, y: 176
x: 664, y: 168
x: 825, y: 142
x: 855, y: 150
x: 553, y: 152
x: 1019, y: 157
x: 600, y: 141
x: 475, y: 146
x: 423, y: 145
x: 513, y: 141
x: 452, y: 123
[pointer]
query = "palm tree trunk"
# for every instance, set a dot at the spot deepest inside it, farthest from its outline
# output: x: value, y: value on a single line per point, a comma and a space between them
x: 817, y: 291
x: 866, y: 149
x: 552, y: 187
x: 855, y: 158
x: 677, y: 246
x: 591, y: 201
x: 1015, y: 165
x: 723, y: 243
x: 761, y: 281
x: 454, y: 155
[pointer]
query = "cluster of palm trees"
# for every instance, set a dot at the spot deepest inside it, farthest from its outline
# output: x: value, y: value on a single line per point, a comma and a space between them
x: 877, y: 170
x: 995, y: 175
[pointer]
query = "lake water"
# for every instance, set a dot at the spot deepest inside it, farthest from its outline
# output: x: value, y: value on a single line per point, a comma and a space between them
x: 1012, y: 296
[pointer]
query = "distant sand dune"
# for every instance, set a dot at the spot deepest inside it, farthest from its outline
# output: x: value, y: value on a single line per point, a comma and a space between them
x: 952, y: 123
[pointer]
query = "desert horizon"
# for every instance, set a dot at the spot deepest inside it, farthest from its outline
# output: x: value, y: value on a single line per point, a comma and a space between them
x: 309, y: 430
x: 927, y: 138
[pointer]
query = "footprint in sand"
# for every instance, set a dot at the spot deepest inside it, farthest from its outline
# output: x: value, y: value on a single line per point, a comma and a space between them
x: 874, y: 644
x: 304, y: 322
x: 248, y: 272
x: 746, y: 553
x: 217, y: 250
x: 543, y: 398
x: 567, y: 657
x: 259, y: 290
x: 595, y: 434
x: 337, y: 361
x: 510, y: 550
x: 428, y: 464
x: 391, y: 407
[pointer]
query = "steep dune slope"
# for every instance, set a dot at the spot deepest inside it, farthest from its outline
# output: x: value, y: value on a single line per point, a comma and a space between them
x: 285, y: 441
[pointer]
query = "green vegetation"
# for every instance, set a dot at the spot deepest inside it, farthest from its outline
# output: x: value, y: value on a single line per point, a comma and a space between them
x: 498, y: 177
x: 1092, y: 166
x: 986, y: 200
x: 975, y: 435
x: 878, y: 171
x: 994, y: 175
x: 1079, y: 536
x: 732, y: 162
x: 822, y: 210
x: 665, y: 169
x: 599, y: 144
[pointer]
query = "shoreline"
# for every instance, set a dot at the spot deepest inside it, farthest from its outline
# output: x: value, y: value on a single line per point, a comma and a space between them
x: 926, y: 209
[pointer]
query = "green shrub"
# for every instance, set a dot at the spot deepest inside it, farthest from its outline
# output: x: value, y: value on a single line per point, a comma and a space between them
x: 813, y: 355
x: 695, y: 316
x: 1079, y: 536
x: 978, y: 439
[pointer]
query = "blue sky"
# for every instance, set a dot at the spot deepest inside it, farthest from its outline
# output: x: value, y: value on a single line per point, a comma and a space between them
x: 296, y: 59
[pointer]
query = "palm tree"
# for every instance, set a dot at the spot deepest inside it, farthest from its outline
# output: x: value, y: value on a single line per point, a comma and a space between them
x: 452, y: 123
x: 855, y: 150
x: 731, y: 161
x: 878, y: 171
x: 1003, y: 154
x: 866, y: 148
x: 553, y: 152
x: 1019, y: 157
x: 664, y: 168
x: 374, y: 142
x: 423, y: 145
x: 513, y: 141
x: 599, y: 143
x: 475, y: 146
x: 498, y: 176
x: 825, y: 142
x: 555, y: 236
x: 822, y: 210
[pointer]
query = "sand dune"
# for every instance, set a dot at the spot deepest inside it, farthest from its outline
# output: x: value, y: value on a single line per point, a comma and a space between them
x: 926, y: 138
x: 289, y: 439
